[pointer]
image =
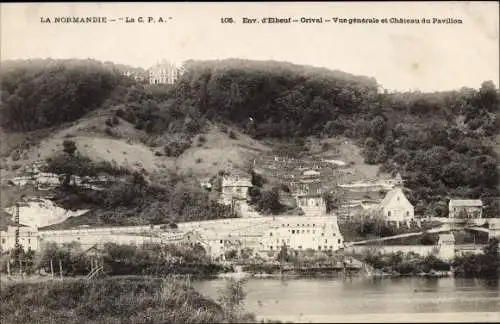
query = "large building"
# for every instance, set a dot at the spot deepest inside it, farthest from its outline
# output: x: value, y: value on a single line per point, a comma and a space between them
x: 164, y: 73
x: 303, y: 233
x: 465, y: 208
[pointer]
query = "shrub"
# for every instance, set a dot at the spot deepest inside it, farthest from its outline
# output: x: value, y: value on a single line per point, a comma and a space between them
x: 109, y: 132
x: 175, y: 148
x: 232, y: 135
x: 16, y: 156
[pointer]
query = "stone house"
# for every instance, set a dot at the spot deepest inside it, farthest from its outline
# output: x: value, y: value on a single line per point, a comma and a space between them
x: 235, y: 189
x: 309, y: 197
x: 465, y: 208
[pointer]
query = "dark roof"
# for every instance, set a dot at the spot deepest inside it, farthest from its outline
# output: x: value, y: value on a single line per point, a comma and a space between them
x: 307, y: 188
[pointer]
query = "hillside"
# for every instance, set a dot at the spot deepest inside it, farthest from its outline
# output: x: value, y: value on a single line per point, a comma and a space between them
x: 221, y: 115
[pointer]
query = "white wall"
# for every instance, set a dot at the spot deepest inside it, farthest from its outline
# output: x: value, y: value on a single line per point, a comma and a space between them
x: 28, y: 238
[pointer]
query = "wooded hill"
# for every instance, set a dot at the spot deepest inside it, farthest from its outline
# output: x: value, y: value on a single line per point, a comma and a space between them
x: 442, y: 143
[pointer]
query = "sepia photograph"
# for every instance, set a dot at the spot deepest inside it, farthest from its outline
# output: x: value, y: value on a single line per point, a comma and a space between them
x: 249, y: 162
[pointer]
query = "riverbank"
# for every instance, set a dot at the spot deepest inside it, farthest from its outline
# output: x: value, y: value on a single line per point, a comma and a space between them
x: 471, y: 317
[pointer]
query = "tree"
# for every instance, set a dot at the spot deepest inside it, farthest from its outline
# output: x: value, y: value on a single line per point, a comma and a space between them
x: 231, y: 298
x: 334, y: 199
x: 69, y: 147
x: 269, y: 201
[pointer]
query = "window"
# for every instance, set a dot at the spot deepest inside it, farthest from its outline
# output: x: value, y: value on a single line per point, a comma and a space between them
x: 78, y: 238
x: 29, y: 241
x: 322, y: 234
x: 220, y: 241
x: 303, y: 231
x: 300, y: 246
x: 271, y: 234
x: 397, y: 198
x: 319, y: 248
x: 407, y: 213
x: 338, y: 241
x: 282, y: 225
x: 331, y: 247
x: 334, y: 234
x: 326, y: 241
x: 314, y: 225
x: 277, y: 241
x: 307, y: 231
x: 314, y: 231
x: 271, y: 247
x: 389, y: 213
x: 3, y: 241
x: 293, y: 231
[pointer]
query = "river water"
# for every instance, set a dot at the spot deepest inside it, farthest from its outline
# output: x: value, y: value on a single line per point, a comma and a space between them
x: 367, y: 300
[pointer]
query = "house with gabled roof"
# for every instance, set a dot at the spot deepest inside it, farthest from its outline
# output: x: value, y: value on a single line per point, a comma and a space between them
x: 396, y: 207
x: 465, y: 208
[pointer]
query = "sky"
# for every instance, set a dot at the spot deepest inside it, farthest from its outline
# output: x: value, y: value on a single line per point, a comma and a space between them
x: 425, y: 57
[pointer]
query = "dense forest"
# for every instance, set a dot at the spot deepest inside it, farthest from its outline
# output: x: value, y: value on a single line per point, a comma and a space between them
x: 44, y: 93
x: 442, y: 143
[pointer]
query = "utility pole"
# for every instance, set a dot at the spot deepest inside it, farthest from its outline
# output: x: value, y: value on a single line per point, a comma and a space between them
x: 16, y: 220
x: 60, y: 269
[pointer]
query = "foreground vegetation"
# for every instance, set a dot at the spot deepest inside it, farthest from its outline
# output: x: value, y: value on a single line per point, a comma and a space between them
x: 485, y: 265
x: 119, y: 300
x: 116, y: 260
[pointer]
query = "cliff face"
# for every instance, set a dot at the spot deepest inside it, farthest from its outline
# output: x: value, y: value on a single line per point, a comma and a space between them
x: 39, y: 212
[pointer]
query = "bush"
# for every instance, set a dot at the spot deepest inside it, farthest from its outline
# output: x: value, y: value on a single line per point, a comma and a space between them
x: 16, y: 156
x: 109, y: 132
x: 175, y: 148
x: 232, y: 135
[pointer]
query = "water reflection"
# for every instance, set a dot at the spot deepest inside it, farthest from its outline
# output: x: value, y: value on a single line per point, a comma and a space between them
x: 274, y: 297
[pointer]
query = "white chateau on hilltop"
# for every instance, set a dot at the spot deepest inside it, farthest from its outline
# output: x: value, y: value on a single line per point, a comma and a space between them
x: 164, y: 72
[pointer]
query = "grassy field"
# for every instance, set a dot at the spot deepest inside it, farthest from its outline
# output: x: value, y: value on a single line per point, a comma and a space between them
x: 117, y: 300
